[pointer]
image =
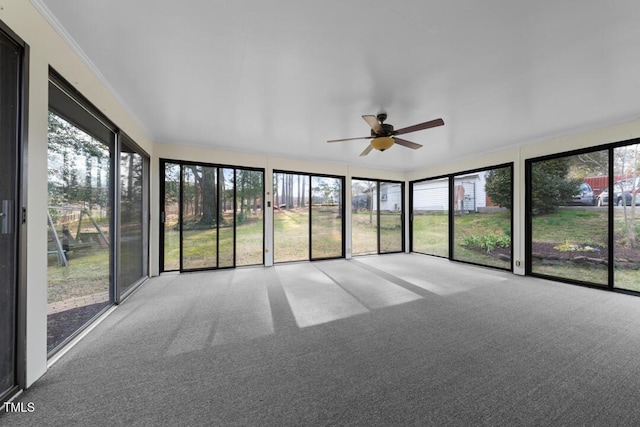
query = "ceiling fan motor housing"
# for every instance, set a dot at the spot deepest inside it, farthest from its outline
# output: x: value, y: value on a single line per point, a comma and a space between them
x: 387, y: 130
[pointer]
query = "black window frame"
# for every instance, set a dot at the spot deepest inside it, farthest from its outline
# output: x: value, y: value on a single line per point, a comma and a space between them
x: 402, y: 213
x: 219, y: 168
x: 610, y: 285
x: 451, y: 213
x: 310, y: 175
x: 122, y: 138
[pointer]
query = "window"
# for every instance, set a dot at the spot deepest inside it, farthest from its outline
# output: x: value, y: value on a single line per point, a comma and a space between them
x: 249, y: 229
x: 326, y: 217
x: 569, y: 234
x: 212, y: 216
x: 307, y: 216
x: 133, y: 253
x: 364, y: 217
x: 170, y: 233
x: 465, y: 217
x: 430, y: 217
x: 482, y: 217
x: 81, y: 169
x: 376, y: 222
x: 98, y: 178
x: 626, y: 212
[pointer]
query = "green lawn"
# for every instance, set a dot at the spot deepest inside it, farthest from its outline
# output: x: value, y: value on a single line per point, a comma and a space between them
x: 291, y: 233
x: 431, y: 234
x: 585, y: 227
x: 87, y: 273
x: 364, y: 236
x: 472, y: 225
x: 199, y: 246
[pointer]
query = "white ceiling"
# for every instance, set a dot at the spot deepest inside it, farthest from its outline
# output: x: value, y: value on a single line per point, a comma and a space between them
x: 283, y: 76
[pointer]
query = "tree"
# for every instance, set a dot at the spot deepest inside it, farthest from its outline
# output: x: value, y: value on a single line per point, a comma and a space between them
x: 498, y: 186
x: 629, y: 165
x: 594, y: 163
x: 72, y: 154
x: 550, y: 185
x: 209, y: 192
x: 363, y: 188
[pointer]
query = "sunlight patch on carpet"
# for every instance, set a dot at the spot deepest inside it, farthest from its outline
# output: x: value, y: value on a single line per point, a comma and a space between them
x: 371, y: 290
x: 314, y: 298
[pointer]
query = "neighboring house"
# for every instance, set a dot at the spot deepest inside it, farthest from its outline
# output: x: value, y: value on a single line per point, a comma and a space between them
x: 390, y: 196
x: 433, y: 195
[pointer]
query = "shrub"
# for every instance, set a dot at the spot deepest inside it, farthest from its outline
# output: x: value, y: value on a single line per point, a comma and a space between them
x: 487, y: 242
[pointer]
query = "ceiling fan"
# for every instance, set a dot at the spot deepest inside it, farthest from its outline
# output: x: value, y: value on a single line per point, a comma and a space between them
x: 383, y: 136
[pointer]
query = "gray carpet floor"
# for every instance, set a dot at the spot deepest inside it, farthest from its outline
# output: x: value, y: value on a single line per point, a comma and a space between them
x: 382, y: 340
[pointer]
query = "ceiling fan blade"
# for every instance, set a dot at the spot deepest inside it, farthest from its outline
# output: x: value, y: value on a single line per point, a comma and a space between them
x: 366, y: 150
x: 421, y: 126
x: 406, y: 143
x: 349, y: 139
x: 373, y: 122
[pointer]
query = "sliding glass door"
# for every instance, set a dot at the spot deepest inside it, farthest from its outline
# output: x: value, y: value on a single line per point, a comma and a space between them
x: 199, y: 219
x: 133, y: 254
x: 80, y: 222
x: 583, y: 216
x: 390, y: 212
x: 211, y: 216
x: 10, y: 143
x: 249, y: 216
x: 326, y: 217
x: 170, y: 233
x: 626, y: 215
x: 307, y: 217
x: 226, y: 217
x: 97, y: 219
x: 465, y: 217
x: 430, y: 217
x: 291, y: 234
x: 482, y: 217
x: 364, y: 217
x: 569, y: 233
x: 376, y: 216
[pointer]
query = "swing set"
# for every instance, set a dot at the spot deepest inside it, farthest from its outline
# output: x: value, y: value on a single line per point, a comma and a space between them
x: 63, y: 245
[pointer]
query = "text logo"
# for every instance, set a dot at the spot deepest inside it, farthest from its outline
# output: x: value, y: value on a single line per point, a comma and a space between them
x: 19, y: 407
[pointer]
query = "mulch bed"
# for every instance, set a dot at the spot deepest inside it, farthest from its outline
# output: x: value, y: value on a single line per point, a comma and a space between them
x: 62, y: 324
x: 628, y: 258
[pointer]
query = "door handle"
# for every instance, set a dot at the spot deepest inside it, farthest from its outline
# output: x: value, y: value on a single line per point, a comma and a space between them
x: 6, y: 217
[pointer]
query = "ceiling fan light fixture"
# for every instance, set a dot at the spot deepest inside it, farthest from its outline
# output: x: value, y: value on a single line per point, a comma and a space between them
x: 382, y: 143
x: 383, y: 134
